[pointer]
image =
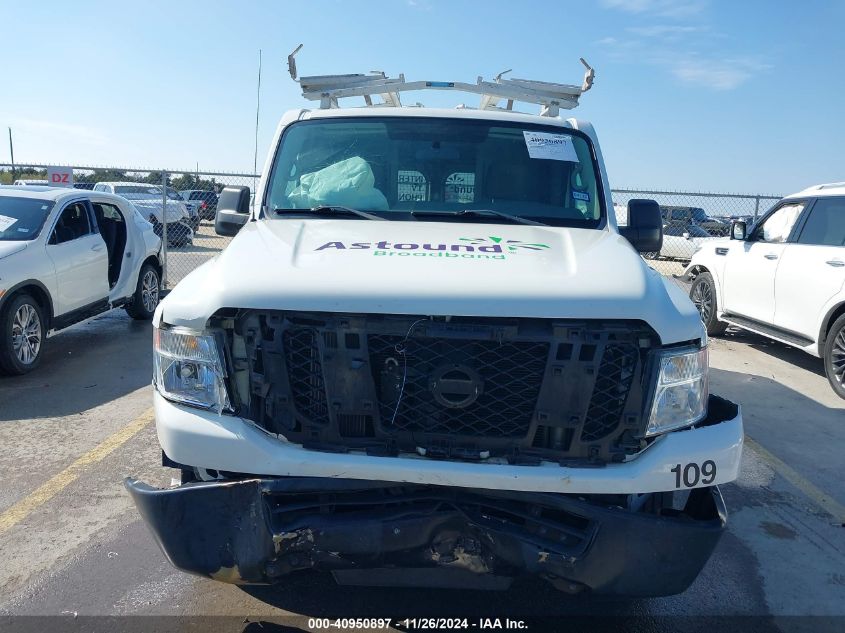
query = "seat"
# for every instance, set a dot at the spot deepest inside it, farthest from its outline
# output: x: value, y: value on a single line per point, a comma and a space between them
x: 63, y: 233
x: 108, y: 231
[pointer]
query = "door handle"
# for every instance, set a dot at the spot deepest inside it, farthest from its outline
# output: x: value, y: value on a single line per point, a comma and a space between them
x: 836, y: 263
x: 770, y: 256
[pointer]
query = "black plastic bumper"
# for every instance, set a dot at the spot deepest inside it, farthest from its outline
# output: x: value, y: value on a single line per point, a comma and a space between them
x: 259, y: 530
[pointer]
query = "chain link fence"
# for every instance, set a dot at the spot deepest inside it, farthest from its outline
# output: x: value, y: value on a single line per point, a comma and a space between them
x: 690, y: 219
x: 181, y: 206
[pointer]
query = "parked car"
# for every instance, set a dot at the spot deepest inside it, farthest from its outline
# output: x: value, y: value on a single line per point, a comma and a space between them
x: 686, y: 217
x: 148, y: 200
x: 401, y: 385
x: 30, y: 182
x: 207, y: 200
x: 680, y: 242
x: 65, y: 256
x: 193, y: 207
x: 784, y: 279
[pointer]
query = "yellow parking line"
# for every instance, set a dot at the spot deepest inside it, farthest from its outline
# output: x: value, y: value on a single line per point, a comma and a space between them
x: 823, y: 501
x: 53, y: 486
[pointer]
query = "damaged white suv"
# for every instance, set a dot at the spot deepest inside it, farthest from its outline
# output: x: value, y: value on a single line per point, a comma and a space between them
x: 430, y: 358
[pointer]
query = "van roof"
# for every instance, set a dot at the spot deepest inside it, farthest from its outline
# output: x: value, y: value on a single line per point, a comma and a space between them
x: 439, y: 113
x: 822, y: 190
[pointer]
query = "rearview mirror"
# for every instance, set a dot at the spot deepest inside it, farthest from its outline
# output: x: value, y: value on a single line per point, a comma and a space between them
x: 232, y: 210
x: 645, y: 226
x: 739, y: 230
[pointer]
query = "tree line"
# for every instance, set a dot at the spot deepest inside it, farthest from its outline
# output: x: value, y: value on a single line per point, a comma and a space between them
x: 180, y: 183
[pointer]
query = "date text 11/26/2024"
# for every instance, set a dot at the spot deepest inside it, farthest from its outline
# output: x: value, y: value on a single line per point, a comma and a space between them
x: 417, y: 624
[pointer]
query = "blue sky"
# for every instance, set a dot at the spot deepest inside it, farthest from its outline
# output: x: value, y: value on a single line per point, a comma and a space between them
x: 704, y: 95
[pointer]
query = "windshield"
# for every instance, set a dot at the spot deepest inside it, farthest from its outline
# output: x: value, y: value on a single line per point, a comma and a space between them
x: 138, y: 192
x: 392, y: 165
x: 22, y: 218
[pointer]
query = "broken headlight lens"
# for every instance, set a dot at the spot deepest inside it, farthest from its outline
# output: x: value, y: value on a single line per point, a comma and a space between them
x: 189, y: 369
x: 680, y: 398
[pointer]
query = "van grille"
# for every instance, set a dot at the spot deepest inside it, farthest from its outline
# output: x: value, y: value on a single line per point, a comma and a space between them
x: 463, y: 388
x: 509, y: 377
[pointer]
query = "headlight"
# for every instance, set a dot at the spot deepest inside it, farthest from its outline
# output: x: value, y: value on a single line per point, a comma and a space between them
x: 680, y: 398
x: 188, y: 369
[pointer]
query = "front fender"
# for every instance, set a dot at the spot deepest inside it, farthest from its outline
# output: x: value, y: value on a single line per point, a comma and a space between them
x: 708, y: 260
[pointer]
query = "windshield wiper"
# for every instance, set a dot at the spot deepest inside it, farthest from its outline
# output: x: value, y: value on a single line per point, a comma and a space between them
x: 476, y: 212
x: 330, y: 209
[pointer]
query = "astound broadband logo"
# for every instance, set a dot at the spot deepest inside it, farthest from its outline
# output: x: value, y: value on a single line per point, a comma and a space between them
x: 490, y: 247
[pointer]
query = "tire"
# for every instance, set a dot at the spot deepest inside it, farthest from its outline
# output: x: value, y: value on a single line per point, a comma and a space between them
x: 834, y: 356
x: 147, y: 294
x: 20, y: 355
x: 703, y: 295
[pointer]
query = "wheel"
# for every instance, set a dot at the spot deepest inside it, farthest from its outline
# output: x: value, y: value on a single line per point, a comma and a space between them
x: 22, y: 333
x: 146, y: 297
x: 834, y: 356
x: 703, y: 295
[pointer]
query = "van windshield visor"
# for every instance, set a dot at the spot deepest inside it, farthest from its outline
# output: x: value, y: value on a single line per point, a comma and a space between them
x: 391, y: 166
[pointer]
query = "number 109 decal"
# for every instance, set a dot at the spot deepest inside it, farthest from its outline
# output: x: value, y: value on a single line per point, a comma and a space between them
x: 689, y: 475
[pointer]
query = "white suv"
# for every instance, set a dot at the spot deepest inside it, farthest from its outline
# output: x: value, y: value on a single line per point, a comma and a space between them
x: 785, y: 279
x: 67, y: 255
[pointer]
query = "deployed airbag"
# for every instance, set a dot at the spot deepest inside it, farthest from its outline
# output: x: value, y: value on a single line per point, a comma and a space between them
x: 348, y: 183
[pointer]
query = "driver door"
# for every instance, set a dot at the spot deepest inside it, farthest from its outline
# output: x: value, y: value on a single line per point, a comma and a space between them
x: 749, y: 277
x: 79, y: 258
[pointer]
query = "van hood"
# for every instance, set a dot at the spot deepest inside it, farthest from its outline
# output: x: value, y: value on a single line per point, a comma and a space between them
x: 433, y: 268
x: 11, y: 247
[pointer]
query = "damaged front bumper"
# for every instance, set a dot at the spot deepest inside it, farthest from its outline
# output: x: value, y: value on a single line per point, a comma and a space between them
x: 259, y: 530
x: 232, y: 444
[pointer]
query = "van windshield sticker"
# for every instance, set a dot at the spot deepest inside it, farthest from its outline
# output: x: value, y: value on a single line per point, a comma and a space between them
x: 550, y: 146
x: 6, y: 222
x: 581, y: 195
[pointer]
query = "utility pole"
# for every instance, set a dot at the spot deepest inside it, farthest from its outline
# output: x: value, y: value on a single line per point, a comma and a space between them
x: 12, y: 152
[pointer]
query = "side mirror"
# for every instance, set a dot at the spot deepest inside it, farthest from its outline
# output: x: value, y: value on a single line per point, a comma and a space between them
x: 739, y: 230
x: 645, y: 226
x: 232, y: 210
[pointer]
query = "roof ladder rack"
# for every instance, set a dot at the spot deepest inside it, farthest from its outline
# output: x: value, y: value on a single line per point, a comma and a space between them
x: 552, y: 97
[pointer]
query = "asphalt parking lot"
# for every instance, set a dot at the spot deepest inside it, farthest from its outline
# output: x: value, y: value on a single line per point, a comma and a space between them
x: 72, y: 544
